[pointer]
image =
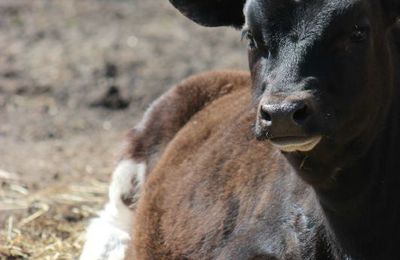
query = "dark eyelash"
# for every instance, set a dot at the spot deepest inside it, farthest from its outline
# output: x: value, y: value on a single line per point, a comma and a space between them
x: 246, y: 33
x: 360, y: 33
x: 252, y: 43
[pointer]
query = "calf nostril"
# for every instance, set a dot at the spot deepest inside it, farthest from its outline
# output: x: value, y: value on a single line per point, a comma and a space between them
x: 302, y: 114
x: 265, y: 115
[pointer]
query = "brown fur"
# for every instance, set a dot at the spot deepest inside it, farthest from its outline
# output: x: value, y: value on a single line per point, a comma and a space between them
x: 167, y: 115
x: 213, y: 177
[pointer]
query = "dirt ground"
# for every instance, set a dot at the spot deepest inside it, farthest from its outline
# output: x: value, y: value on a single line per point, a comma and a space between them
x: 74, y: 77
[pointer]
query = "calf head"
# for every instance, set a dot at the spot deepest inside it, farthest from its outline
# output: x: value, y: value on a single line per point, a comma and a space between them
x: 321, y: 69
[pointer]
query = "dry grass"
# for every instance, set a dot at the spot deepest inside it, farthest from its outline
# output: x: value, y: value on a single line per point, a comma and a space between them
x: 48, y: 224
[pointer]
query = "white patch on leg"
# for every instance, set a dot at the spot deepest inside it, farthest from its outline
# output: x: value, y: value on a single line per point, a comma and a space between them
x: 128, y: 176
x: 108, y: 236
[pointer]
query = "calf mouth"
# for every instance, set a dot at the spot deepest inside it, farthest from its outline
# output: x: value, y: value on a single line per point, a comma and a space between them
x: 295, y: 143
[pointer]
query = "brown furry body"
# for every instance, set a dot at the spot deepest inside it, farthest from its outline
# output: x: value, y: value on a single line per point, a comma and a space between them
x: 215, y: 192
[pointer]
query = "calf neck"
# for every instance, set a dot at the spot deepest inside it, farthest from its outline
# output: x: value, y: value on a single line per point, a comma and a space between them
x: 340, y: 64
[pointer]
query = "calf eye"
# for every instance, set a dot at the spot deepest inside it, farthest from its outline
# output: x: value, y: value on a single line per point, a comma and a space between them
x: 359, y: 34
x: 246, y: 33
x: 253, y: 45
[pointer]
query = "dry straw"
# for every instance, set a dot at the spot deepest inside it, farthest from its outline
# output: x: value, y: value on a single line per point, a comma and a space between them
x: 48, y: 224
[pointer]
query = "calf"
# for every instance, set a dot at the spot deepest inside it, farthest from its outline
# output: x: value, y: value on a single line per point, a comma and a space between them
x: 296, y: 161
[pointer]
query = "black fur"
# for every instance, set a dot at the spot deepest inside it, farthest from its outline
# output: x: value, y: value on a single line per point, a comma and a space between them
x: 212, y: 12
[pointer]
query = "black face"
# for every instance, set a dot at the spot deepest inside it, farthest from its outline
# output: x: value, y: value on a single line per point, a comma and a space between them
x: 321, y: 72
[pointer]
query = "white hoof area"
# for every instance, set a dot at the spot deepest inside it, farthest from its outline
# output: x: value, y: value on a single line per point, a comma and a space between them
x: 108, y: 236
x: 104, y: 241
x: 127, y: 181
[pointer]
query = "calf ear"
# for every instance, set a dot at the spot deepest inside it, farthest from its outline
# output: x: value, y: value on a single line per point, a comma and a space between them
x: 212, y: 12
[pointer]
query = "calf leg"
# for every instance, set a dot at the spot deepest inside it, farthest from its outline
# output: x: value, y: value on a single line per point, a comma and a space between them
x: 108, y: 236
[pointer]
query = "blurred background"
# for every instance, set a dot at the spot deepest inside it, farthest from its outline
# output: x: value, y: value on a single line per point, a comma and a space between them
x: 75, y: 75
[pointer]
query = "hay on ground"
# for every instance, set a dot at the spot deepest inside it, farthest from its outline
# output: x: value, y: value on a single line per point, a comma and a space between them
x: 48, y: 224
